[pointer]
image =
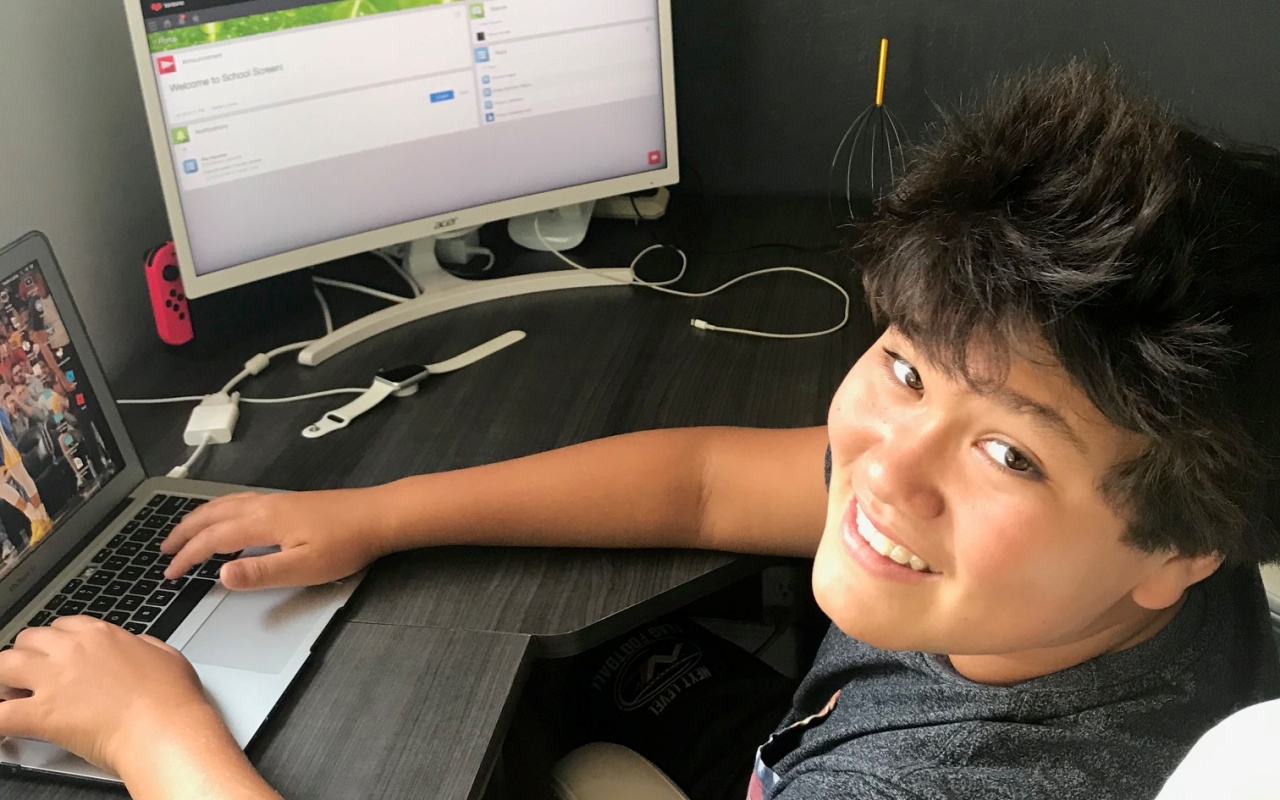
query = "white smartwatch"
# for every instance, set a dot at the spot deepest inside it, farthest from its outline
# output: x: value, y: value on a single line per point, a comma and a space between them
x: 402, y: 382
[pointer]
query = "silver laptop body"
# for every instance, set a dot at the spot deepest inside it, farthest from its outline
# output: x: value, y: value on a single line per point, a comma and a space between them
x: 246, y: 647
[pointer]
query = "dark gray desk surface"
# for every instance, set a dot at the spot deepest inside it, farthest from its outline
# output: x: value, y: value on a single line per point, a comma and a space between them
x: 597, y: 362
x: 409, y: 696
x: 381, y: 711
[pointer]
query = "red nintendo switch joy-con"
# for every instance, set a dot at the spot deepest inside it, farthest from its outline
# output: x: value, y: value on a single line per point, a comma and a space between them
x: 168, y: 301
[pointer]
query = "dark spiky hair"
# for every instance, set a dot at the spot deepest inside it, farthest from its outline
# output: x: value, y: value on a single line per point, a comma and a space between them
x: 1070, y: 213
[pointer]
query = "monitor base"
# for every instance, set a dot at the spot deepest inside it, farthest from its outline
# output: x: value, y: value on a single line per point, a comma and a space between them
x: 443, y: 292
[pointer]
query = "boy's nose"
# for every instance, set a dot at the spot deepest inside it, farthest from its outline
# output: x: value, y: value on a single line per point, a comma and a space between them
x: 902, y: 473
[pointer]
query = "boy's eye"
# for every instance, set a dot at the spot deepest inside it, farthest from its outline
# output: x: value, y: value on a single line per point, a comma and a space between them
x: 1009, y: 457
x: 906, y: 373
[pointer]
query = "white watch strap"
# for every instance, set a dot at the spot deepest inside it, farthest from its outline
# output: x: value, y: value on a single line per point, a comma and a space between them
x: 340, y: 418
x: 380, y: 390
x: 476, y: 353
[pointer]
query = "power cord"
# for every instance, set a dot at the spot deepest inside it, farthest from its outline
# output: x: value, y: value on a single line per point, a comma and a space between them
x: 355, y: 287
x: 400, y: 270
x: 183, y: 470
x: 260, y: 362
x: 324, y: 306
x: 662, y: 286
x: 254, y: 400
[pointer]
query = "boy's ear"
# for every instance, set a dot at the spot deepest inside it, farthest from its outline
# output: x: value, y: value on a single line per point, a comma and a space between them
x: 1165, y: 586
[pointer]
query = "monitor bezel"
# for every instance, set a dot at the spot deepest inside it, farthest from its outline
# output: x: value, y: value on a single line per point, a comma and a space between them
x: 196, y: 285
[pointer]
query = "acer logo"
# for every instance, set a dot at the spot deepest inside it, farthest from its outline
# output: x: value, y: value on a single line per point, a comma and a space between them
x: 447, y: 223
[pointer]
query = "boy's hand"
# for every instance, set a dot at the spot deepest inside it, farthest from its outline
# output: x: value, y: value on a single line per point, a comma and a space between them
x: 323, y: 536
x: 97, y: 690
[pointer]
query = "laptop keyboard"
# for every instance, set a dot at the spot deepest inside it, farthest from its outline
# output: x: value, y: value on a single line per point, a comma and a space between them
x: 124, y: 582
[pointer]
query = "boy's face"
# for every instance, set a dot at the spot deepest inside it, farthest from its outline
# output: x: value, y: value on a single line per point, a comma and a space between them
x: 997, y: 494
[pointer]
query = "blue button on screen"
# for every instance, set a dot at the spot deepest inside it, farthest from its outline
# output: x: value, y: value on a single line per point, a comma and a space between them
x: 440, y: 97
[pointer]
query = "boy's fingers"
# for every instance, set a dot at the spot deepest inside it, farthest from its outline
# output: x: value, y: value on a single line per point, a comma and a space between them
x: 76, y: 623
x: 154, y: 642
x: 32, y: 639
x: 222, y: 537
x: 210, y: 513
x: 261, y: 572
x: 12, y: 693
x: 16, y: 672
x: 20, y: 718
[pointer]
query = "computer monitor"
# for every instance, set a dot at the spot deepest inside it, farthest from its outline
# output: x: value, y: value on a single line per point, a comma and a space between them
x: 289, y: 133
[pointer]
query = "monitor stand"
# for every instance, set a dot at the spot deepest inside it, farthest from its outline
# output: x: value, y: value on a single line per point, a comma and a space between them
x: 443, y: 292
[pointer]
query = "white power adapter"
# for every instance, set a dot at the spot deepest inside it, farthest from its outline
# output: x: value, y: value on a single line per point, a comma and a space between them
x: 214, y: 420
x: 459, y: 250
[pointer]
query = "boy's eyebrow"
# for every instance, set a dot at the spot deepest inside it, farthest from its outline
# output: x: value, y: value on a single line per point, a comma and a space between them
x: 1046, y: 416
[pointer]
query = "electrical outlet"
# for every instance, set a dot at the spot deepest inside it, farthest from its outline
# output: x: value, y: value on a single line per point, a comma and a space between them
x: 780, y: 589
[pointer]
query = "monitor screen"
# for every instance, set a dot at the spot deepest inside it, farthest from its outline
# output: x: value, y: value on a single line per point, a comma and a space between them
x: 55, y: 445
x: 290, y: 123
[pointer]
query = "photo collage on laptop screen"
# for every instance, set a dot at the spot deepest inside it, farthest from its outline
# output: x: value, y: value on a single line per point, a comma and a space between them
x: 56, y: 446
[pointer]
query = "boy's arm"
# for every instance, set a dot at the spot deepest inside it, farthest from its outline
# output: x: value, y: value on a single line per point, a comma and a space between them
x: 197, y: 760
x: 738, y: 489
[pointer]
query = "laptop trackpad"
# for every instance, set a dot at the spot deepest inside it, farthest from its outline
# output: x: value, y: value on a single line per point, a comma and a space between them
x: 259, y: 631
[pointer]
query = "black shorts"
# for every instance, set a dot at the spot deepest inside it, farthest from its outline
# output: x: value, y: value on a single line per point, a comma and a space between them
x: 694, y: 704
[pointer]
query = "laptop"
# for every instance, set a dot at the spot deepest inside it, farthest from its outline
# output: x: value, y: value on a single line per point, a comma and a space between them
x: 90, y: 545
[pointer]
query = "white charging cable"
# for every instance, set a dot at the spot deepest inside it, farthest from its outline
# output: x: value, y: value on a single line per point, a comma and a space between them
x: 257, y: 400
x: 324, y: 306
x: 297, y: 398
x: 662, y: 286
x: 183, y: 470
x: 400, y: 270
x: 260, y: 362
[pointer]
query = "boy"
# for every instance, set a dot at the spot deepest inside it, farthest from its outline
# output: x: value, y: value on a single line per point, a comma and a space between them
x: 1044, y: 501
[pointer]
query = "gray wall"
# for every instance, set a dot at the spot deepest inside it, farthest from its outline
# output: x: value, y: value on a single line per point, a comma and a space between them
x: 75, y: 159
x: 767, y: 87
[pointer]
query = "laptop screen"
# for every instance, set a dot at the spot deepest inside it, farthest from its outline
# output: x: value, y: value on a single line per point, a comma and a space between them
x: 56, y: 446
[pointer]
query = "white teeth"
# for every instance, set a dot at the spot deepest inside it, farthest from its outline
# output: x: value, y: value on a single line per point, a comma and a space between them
x: 885, y: 546
x: 879, y: 542
x: 900, y: 554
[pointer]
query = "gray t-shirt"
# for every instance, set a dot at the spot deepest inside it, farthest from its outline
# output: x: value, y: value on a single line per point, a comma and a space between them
x: 906, y: 725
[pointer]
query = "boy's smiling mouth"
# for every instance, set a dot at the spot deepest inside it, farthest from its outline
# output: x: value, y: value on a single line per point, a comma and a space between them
x: 874, y: 549
x: 885, y: 546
